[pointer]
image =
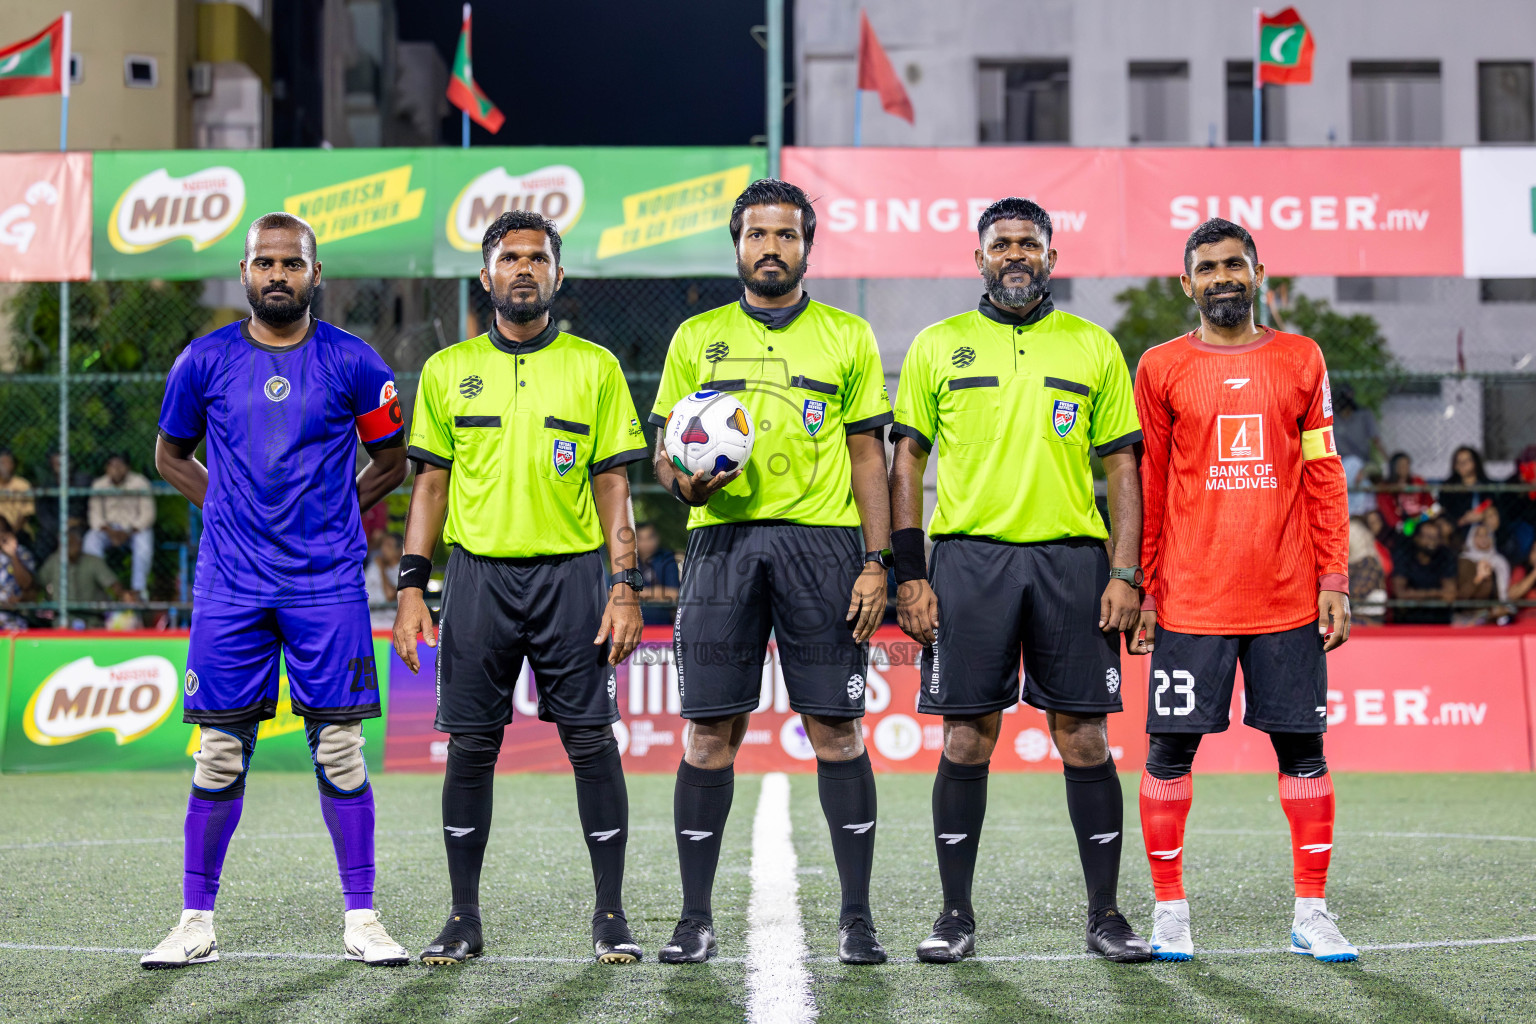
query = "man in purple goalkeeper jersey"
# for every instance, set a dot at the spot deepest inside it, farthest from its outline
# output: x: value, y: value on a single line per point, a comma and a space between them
x: 282, y: 400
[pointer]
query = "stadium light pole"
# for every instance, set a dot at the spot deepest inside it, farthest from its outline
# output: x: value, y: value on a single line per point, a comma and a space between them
x: 775, y: 21
x: 464, y: 281
x: 63, y: 481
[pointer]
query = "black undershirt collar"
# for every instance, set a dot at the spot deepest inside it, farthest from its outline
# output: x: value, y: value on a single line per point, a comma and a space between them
x: 519, y: 348
x: 1043, y: 309
x: 245, y: 332
x: 775, y: 319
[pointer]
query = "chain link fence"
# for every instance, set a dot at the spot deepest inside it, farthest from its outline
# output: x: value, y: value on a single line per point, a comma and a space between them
x: 125, y: 335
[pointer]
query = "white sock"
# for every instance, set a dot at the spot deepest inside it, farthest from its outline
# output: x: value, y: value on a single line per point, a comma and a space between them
x: 206, y: 915
x: 1307, y: 904
x: 365, y: 913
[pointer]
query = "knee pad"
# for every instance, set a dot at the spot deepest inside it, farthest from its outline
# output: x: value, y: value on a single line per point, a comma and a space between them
x: 474, y: 752
x: 586, y: 745
x: 336, y: 748
x: 223, y: 757
x: 1171, y: 755
x: 1300, y: 754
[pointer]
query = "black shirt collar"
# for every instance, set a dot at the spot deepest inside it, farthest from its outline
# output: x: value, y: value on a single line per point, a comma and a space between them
x: 775, y: 319
x: 245, y: 332
x: 1043, y: 309
x: 533, y: 344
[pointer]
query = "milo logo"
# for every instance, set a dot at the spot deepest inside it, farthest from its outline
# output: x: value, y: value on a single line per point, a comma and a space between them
x: 202, y: 207
x: 129, y: 699
x: 556, y: 192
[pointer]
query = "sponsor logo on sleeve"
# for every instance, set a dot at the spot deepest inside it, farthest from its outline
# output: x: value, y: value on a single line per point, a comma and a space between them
x: 387, y: 393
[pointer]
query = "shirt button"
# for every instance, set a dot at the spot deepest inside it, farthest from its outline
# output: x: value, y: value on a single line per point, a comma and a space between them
x: 770, y: 348
x: 1021, y: 351
x: 522, y: 383
x: 522, y: 360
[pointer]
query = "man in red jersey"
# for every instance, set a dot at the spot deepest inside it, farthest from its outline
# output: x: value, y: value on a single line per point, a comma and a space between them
x: 1246, y: 553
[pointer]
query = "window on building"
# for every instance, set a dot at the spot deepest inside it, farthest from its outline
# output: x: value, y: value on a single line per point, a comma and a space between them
x: 1024, y: 101
x: 1366, y: 289
x: 1240, y: 106
x: 1394, y: 101
x: 1506, y: 101
x: 1509, y: 418
x: 1061, y: 290
x: 1159, y: 101
x: 1508, y: 289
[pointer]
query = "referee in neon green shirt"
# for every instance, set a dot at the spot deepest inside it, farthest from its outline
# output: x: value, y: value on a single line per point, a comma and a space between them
x: 777, y: 546
x: 1015, y: 394
x: 521, y: 438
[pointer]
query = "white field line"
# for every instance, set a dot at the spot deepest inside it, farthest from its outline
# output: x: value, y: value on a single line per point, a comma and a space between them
x: 778, y: 983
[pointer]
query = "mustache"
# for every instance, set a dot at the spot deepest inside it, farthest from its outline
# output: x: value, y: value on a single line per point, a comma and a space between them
x: 1235, y: 290
x: 277, y: 289
x: 770, y: 261
x: 1016, y: 267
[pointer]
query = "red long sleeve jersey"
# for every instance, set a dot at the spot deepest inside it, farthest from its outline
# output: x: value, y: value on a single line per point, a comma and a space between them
x: 1246, y: 512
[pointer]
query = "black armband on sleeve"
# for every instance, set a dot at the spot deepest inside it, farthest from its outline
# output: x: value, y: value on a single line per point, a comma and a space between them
x: 907, y: 551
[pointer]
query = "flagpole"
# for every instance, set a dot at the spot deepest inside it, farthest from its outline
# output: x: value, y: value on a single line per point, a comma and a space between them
x: 858, y: 140
x: 63, y: 481
x: 1258, y: 88
x: 463, y: 281
x: 775, y: 83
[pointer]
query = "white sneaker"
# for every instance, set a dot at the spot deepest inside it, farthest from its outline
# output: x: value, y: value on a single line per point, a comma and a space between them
x: 367, y: 941
x: 1170, y: 931
x: 190, y: 942
x: 1314, y: 934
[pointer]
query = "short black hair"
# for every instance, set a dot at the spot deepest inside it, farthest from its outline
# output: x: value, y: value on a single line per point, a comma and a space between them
x: 279, y: 220
x: 518, y: 220
x: 766, y: 192
x: 1215, y: 230
x: 1014, y: 208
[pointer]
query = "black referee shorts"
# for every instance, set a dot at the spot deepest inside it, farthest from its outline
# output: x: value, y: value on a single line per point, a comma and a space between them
x: 743, y: 580
x: 1285, y: 680
x: 499, y: 611
x: 998, y: 601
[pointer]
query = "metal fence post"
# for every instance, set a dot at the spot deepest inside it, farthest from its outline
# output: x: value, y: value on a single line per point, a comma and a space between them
x: 63, y: 622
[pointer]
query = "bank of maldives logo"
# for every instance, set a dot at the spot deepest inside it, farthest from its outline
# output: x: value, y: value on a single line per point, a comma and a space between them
x: 130, y: 699
x: 565, y: 456
x: 815, y: 414
x: 1240, y: 438
x: 1064, y: 417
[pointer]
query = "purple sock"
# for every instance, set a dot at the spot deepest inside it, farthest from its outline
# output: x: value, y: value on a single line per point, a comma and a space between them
x: 209, y: 827
x: 350, y: 820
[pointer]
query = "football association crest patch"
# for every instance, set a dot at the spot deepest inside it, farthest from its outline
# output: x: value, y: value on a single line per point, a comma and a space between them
x: 1064, y: 417
x: 815, y: 413
x: 565, y: 456
x: 277, y: 388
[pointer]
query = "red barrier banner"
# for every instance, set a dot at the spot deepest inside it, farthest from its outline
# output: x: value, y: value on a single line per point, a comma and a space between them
x: 1398, y: 700
x: 1127, y: 212
x: 45, y: 216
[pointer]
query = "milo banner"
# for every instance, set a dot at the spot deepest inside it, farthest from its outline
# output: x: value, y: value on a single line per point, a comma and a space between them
x: 645, y: 212
x: 98, y: 702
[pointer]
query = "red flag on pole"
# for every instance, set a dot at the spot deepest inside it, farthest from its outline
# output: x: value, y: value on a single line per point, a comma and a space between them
x: 877, y: 74
x: 1285, y: 49
x: 37, y: 65
x: 464, y: 93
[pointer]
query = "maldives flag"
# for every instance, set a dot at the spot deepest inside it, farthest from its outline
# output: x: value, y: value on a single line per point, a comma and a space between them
x: 37, y: 65
x: 464, y: 93
x: 877, y: 75
x: 1285, y: 49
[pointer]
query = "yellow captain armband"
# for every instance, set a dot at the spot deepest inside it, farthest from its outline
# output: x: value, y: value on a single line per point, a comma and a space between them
x: 1318, y: 444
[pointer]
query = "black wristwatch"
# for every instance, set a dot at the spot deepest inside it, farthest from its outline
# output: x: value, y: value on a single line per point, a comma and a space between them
x: 631, y: 577
x: 883, y: 557
x: 1131, y: 574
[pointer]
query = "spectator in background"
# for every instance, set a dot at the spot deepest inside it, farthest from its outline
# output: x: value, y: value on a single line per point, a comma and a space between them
x: 48, y: 506
x: 1398, y: 507
x: 1367, y: 576
x: 1467, y: 508
x: 16, y: 505
x: 1518, y: 509
x: 126, y: 520
x: 91, y: 580
x: 380, y: 576
x: 1358, y: 440
x: 1482, y: 575
x: 1386, y: 540
x: 17, y: 575
x: 662, y: 576
x: 375, y: 526
x: 1425, y: 572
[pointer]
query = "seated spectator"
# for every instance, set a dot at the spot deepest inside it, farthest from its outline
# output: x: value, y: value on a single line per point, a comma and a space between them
x: 1358, y: 440
x: 1425, y: 572
x: 16, y: 505
x: 1483, y: 575
x: 122, y: 520
x: 90, y: 580
x: 662, y: 575
x: 1367, y: 577
x: 1397, y: 507
x: 1524, y: 582
x: 1386, y: 541
x: 48, y: 506
x: 1467, y: 508
x: 17, y: 575
x: 380, y: 576
x: 1518, y: 509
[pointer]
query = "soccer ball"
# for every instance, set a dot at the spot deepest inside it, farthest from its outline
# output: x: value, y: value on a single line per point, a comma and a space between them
x: 709, y: 431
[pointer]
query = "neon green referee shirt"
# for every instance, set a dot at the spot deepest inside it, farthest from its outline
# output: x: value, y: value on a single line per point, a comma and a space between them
x: 523, y: 427
x: 808, y: 376
x: 1014, y: 406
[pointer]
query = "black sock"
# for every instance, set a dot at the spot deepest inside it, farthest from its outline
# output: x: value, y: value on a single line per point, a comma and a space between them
x: 847, y: 791
x: 602, y: 800
x: 700, y: 804
x: 468, y: 786
x: 1098, y: 813
x: 959, y: 807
